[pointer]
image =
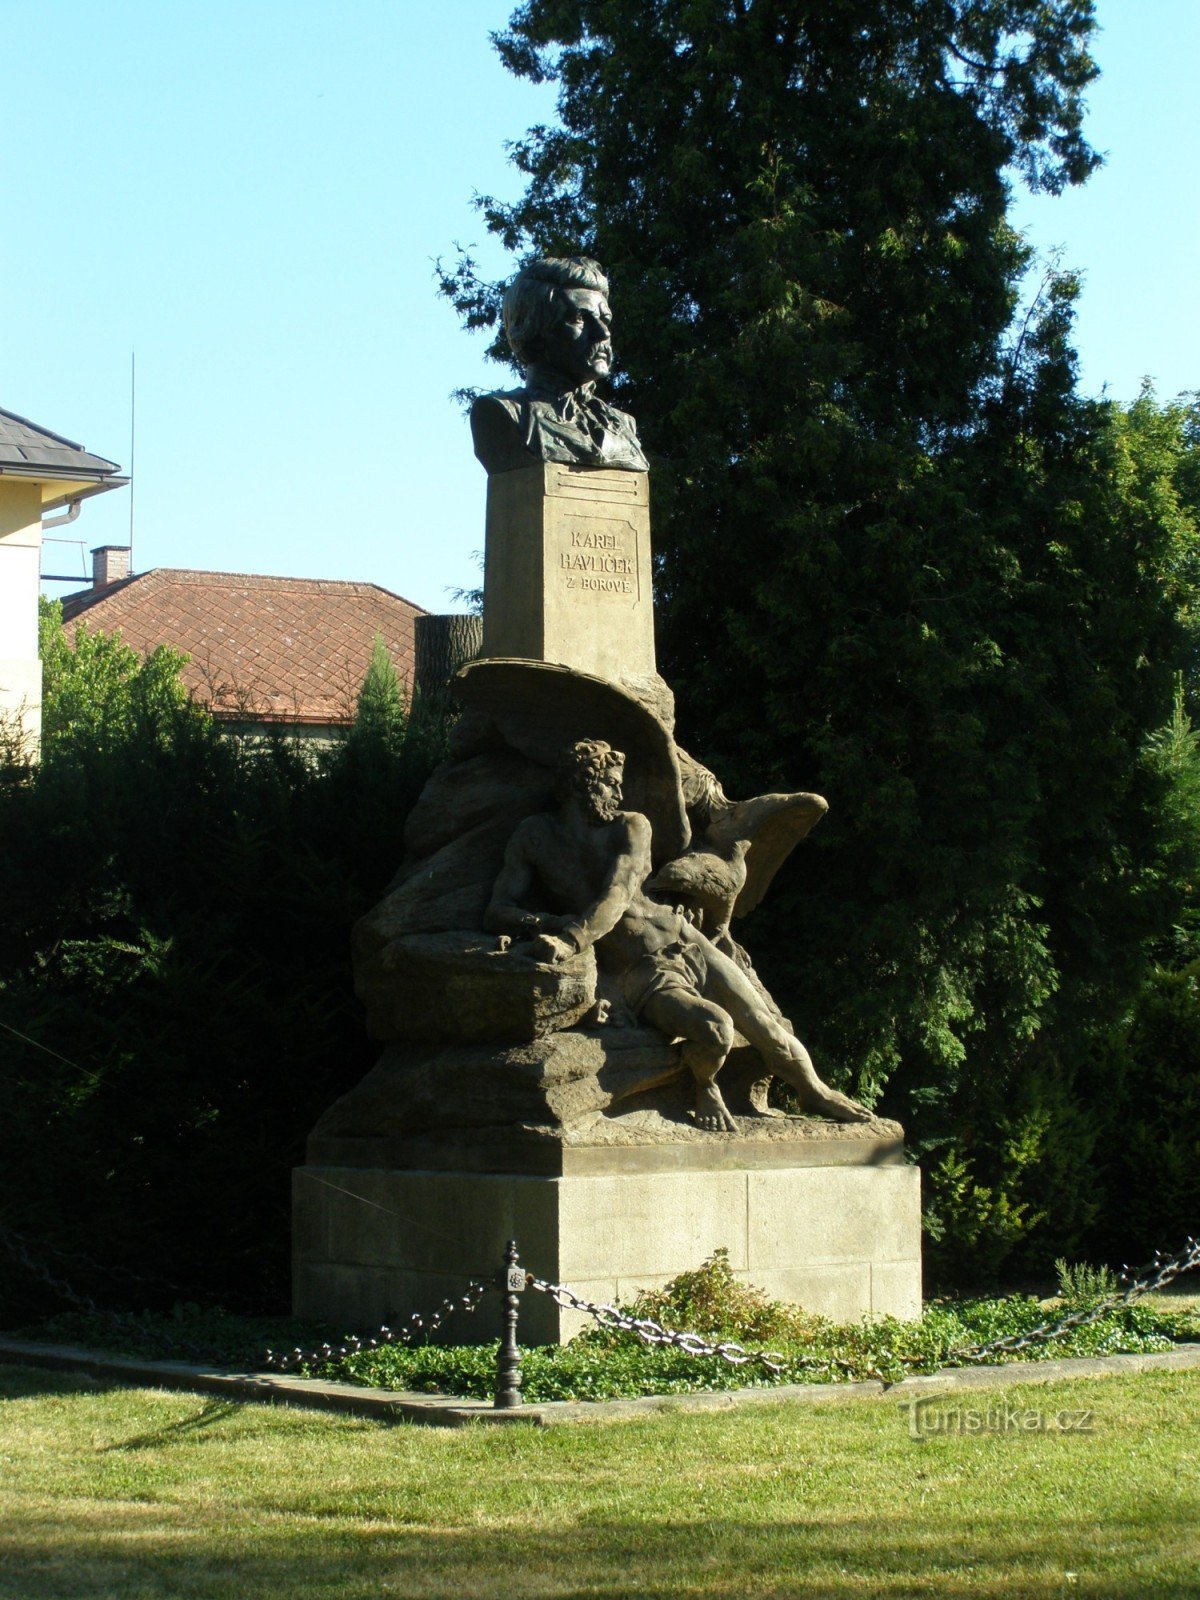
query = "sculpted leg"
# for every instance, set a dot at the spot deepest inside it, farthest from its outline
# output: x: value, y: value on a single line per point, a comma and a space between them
x: 781, y: 1051
x: 707, y: 1035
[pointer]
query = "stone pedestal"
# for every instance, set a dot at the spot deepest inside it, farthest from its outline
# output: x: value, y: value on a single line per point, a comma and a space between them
x: 384, y: 1227
x: 567, y: 570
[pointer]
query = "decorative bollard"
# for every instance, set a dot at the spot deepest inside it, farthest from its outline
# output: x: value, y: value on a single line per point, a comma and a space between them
x: 511, y: 1282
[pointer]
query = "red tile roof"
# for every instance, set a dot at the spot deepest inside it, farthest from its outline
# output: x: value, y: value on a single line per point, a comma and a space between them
x: 262, y: 649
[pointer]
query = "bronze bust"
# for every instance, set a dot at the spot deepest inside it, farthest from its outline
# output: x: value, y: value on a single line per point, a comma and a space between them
x: 558, y: 323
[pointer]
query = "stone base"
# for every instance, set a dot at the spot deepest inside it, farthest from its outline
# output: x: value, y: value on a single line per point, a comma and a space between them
x: 830, y: 1222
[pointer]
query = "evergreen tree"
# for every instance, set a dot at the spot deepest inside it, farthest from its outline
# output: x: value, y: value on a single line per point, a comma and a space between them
x: 96, y: 688
x: 381, y: 715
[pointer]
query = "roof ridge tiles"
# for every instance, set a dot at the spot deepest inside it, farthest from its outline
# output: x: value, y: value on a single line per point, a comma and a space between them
x: 206, y: 578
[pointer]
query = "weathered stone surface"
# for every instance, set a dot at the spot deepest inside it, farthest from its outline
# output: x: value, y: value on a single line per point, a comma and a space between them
x: 664, y: 1118
x: 546, y: 1085
x: 455, y: 839
x: 496, y: 785
x: 462, y: 988
x: 842, y: 1241
x: 655, y: 693
x: 568, y: 575
x: 432, y: 894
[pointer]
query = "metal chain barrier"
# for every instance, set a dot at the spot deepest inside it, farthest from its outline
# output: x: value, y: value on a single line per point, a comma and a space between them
x: 416, y: 1326
x: 512, y: 1279
x: 1161, y: 1272
x: 651, y: 1332
x: 17, y: 1248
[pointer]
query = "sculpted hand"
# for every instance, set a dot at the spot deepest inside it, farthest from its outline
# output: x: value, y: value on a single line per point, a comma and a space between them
x: 549, y: 949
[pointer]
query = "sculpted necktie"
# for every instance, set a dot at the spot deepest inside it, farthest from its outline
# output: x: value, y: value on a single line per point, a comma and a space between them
x: 582, y: 411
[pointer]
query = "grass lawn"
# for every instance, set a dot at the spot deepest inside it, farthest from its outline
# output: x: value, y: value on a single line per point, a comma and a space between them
x: 141, y: 1493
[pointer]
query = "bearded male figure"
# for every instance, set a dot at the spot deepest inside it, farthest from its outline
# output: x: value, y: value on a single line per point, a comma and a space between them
x: 559, y: 326
x: 592, y: 859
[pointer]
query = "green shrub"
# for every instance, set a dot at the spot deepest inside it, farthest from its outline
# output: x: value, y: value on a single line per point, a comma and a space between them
x: 176, y: 1002
x: 712, y: 1302
x: 1149, y: 1075
x: 1081, y: 1286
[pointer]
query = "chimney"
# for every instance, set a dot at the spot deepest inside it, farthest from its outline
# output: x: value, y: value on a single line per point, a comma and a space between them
x: 110, y: 563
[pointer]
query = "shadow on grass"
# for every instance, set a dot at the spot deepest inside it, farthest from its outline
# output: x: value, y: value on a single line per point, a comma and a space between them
x: 214, y: 1411
x: 525, y: 1516
x: 26, y: 1383
x: 151, y: 1557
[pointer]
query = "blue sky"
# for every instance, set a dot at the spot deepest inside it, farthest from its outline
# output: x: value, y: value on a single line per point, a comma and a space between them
x: 252, y: 196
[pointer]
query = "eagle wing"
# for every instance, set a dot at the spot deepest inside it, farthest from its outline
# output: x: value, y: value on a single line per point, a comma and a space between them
x: 774, y: 824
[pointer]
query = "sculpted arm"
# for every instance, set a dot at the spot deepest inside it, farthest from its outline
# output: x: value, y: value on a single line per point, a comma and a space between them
x: 505, y: 912
x: 629, y: 869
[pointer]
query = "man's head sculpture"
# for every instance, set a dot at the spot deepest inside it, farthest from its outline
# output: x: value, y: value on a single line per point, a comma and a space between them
x: 591, y: 771
x: 556, y: 314
x: 559, y: 327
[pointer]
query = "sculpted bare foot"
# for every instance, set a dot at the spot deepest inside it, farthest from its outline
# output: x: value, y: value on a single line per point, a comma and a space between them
x: 711, y: 1113
x: 822, y: 1101
x: 759, y: 1105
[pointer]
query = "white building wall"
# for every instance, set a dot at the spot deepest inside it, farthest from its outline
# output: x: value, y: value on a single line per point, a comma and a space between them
x: 20, y: 566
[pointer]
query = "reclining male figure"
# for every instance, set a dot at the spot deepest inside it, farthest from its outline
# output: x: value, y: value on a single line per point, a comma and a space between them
x: 592, y: 858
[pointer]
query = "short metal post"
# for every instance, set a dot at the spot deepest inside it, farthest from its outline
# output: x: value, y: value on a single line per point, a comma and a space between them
x: 508, y: 1357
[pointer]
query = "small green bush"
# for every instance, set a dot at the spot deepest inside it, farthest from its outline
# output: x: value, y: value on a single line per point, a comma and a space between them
x: 712, y: 1302
x: 1081, y: 1286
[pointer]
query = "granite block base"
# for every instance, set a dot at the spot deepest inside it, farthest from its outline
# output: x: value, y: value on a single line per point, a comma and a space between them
x: 383, y: 1229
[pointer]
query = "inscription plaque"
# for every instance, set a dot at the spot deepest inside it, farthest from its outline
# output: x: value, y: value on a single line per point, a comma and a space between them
x: 567, y: 576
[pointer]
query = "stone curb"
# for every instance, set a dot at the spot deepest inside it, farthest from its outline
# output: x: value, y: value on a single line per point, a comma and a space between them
x: 445, y: 1411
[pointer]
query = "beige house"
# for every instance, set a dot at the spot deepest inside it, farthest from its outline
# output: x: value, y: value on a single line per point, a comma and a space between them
x: 41, y: 474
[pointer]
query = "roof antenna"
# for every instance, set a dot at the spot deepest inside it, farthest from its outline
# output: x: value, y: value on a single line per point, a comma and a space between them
x: 132, y: 442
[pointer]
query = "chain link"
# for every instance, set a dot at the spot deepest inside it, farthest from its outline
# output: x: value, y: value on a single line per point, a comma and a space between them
x: 651, y: 1332
x: 17, y: 1248
x: 1161, y: 1271
x: 415, y: 1326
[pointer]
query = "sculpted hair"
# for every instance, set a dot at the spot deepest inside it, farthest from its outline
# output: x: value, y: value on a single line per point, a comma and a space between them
x: 530, y: 304
x: 582, y: 762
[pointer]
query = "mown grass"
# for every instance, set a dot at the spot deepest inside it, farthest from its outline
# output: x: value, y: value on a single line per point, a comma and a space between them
x: 146, y: 1495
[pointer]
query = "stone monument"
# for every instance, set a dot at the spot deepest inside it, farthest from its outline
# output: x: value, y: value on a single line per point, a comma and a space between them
x: 578, y: 1052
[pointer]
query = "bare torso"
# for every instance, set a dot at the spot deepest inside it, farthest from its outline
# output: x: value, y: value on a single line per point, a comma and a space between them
x: 596, y: 874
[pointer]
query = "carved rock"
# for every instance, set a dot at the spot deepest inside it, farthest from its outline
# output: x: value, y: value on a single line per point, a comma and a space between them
x: 455, y: 838
x: 462, y: 795
x: 547, y: 1085
x: 459, y: 988
x: 539, y: 708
